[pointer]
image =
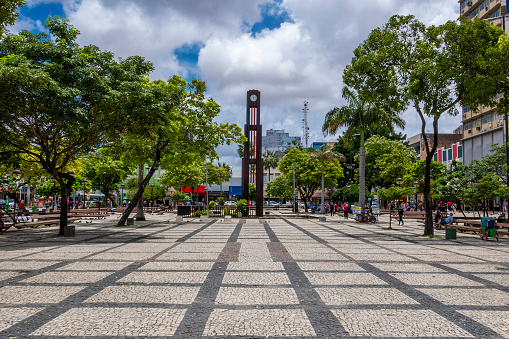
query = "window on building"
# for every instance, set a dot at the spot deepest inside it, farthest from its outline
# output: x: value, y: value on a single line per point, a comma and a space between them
x: 444, y: 156
x: 467, y: 126
x: 271, y: 177
x: 474, y: 13
x: 449, y: 154
x: 435, y: 157
x: 484, y: 4
x: 464, y: 4
x: 486, y: 119
x: 496, y: 116
x: 495, y: 14
x: 476, y: 123
x: 460, y: 151
x: 466, y: 109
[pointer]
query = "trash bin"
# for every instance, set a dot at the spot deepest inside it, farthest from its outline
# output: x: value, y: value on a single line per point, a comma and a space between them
x: 130, y: 221
x: 489, y: 220
x: 184, y: 210
x: 450, y: 233
x: 34, y: 209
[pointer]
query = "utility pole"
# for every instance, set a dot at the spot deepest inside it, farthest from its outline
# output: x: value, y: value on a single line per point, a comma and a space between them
x: 294, y: 194
x: 305, y: 128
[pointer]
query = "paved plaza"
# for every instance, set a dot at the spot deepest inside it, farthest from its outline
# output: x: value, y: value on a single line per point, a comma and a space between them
x: 252, y: 278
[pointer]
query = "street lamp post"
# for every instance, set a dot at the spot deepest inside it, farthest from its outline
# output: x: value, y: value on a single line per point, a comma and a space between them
x: 416, y: 185
x: 84, y: 182
x: 17, y: 173
x: 122, y: 195
x: 70, y: 182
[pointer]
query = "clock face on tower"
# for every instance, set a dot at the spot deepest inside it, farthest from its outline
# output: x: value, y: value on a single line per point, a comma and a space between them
x: 253, y: 97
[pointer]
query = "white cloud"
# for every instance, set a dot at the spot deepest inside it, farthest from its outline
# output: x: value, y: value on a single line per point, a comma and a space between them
x: 302, y: 60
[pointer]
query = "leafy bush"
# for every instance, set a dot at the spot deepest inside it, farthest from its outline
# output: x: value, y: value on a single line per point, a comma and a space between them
x: 220, y: 200
x: 212, y: 204
x: 199, y: 213
x: 241, y: 205
x: 227, y: 210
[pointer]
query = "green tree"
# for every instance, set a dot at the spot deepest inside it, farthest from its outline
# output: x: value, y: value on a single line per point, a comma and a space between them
x: 487, y: 187
x: 280, y: 187
x: 406, y: 64
x: 186, y: 175
x: 181, y: 131
x: 386, y: 160
x: 8, y: 13
x: 494, y: 162
x: 417, y: 173
x: 225, y: 174
x: 60, y: 100
x: 322, y: 155
x: 395, y: 194
x: 351, y: 148
x: 357, y: 116
x: 180, y: 197
x: 105, y: 173
x: 294, y: 143
x: 270, y: 160
x: 308, y: 173
x: 450, y: 183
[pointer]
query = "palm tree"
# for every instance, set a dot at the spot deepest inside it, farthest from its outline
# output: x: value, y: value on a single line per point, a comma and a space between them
x: 226, y: 173
x: 294, y: 143
x: 322, y: 155
x: 270, y: 160
x: 356, y: 116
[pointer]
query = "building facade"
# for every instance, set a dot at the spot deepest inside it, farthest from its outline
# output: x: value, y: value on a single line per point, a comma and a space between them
x: 276, y: 140
x: 447, y: 155
x: 485, y: 126
x: 444, y: 141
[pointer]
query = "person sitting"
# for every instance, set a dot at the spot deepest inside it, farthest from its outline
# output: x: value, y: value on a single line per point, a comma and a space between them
x: 448, y: 220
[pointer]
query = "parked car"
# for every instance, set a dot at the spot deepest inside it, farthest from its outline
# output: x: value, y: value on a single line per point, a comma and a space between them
x: 273, y: 203
x: 230, y: 203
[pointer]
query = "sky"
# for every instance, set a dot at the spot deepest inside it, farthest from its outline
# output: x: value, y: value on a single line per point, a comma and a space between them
x: 290, y: 50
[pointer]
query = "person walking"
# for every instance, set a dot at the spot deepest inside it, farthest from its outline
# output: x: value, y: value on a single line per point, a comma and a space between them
x: 345, y: 210
x: 400, y: 213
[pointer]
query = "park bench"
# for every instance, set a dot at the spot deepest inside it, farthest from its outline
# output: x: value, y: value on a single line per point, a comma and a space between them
x: 38, y: 220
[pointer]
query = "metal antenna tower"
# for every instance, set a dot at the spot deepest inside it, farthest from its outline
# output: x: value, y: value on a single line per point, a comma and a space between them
x: 305, y: 128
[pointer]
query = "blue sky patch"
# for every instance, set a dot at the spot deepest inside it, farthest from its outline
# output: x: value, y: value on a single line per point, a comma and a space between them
x: 187, y: 56
x: 41, y: 11
x: 272, y: 17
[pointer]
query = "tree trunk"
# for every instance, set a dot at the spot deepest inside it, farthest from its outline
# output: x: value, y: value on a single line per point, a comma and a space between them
x: 64, y: 193
x: 139, y: 193
x: 139, y: 207
x: 362, y: 174
x: 322, y: 196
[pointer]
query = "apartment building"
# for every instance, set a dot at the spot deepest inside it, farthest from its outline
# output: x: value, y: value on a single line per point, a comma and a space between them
x: 443, y: 141
x: 485, y: 127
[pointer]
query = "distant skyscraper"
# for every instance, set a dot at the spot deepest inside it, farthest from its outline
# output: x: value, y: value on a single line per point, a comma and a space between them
x: 276, y: 140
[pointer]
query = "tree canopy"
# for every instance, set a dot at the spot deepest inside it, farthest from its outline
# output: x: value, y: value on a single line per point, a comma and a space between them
x: 406, y: 64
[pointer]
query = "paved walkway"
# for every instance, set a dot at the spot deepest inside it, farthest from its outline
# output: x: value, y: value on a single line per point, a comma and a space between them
x: 279, y: 277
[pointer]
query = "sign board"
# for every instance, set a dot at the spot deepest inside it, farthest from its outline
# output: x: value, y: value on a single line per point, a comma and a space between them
x: 376, y: 210
x: 294, y: 195
x: 356, y: 209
